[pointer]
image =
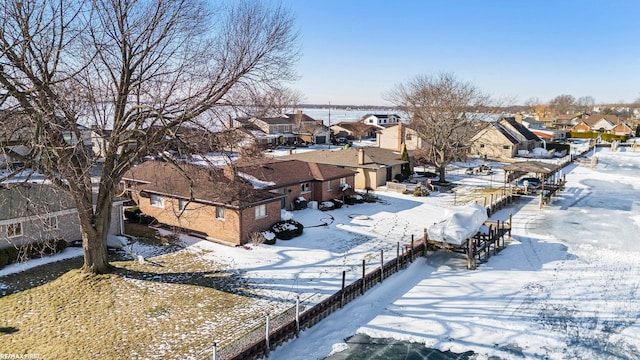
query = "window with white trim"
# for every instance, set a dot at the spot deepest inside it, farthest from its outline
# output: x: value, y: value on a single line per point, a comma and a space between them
x: 51, y: 223
x: 182, y: 204
x: 329, y: 185
x: 306, y: 187
x: 219, y: 212
x: 156, y: 201
x: 261, y: 211
x: 343, y: 181
x: 14, y: 230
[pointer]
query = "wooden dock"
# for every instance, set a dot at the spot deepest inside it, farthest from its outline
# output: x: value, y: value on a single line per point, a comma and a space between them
x: 482, y: 245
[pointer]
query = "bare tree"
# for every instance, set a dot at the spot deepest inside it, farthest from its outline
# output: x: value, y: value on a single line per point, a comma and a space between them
x: 274, y: 101
x: 359, y: 129
x: 139, y: 72
x: 442, y: 111
x: 563, y: 104
x: 585, y: 103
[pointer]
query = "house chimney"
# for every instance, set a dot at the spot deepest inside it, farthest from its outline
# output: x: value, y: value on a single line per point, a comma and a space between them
x: 518, y: 118
x: 361, y: 156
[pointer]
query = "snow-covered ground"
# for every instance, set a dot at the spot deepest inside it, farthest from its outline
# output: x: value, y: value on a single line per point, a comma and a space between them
x: 566, y: 286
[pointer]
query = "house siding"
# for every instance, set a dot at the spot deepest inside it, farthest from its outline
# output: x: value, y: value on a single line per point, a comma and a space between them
x: 491, y: 143
x: 33, y: 229
x: 202, y: 218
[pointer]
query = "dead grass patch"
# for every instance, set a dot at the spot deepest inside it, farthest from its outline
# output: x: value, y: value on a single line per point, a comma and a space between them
x: 174, y: 306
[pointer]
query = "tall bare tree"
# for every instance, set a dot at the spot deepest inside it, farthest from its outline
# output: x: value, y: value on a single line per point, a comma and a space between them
x: 563, y: 104
x: 442, y: 110
x: 137, y: 71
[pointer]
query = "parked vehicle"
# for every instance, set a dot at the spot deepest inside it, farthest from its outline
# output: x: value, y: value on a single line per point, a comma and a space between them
x: 529, y: 182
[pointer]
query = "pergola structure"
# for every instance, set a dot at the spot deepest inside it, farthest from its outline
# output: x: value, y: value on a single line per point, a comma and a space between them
x: 542, y: 170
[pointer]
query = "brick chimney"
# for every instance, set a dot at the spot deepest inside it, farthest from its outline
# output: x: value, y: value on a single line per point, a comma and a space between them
x: 361, y: 156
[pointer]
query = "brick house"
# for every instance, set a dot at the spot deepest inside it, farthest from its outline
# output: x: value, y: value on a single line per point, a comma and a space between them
x: 374, y: 166
x: 353, y: 130
x: 34, y: 212
x: 210, y: 201
x: 295, y: 179
x: 286, y: 129
x: 602, y: 123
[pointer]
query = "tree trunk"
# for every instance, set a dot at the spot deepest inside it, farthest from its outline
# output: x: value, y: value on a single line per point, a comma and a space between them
x: 94, y: 235
x: 442, y: 173
x: 95, y: 253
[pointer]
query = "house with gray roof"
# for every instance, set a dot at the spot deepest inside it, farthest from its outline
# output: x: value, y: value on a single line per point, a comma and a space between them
x: 374, y: 166
x: 505, y: 138
x: 36, y: 212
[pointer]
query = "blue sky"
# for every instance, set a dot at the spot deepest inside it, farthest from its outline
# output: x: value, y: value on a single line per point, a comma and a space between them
x: 355, y: 51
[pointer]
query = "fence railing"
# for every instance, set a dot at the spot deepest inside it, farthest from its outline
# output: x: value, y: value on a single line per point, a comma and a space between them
x: 276, y: 330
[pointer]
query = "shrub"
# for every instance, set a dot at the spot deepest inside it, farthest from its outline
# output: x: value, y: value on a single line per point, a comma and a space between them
x: 132, y: 213
x: 12, y: 254
x: 326, y: 205
x: 337, y: 204
x: 269, y: 237
x: 287, y: 229
x: 60, y: 244
x: 421, y: 192
x: 4, y: 258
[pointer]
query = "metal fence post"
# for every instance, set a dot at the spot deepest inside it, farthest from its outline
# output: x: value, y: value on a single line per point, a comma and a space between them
x: 363, y: 275
x: 342, y: 290
x: 397, y: 256
x: 215, y: 351
x: 297, y: 314
x: 381, y: 265
x: 266, y: 336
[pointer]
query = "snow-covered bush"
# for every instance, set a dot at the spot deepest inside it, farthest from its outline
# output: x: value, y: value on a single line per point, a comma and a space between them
x: 287, y: 229
x: 269, y: 237
x: 326, y: 205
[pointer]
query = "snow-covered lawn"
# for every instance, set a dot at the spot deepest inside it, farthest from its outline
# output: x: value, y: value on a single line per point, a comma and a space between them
x: 565, y: 287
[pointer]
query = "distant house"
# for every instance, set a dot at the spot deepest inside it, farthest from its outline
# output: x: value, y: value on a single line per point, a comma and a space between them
x: 393, y: 137
x: 539, y: 129
x: 374, y: 166
x: 564, y: 122
x: 381, y: 120
x: 217, y: 204
x: 353, y: 130
x: 505, y: 138
x: 609, y: 124
x: 286, y: 129
x: 296, y: 179
x: 33, y: 212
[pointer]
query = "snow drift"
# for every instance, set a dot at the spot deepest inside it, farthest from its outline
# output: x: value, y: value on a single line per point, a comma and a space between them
x: 459, y: 224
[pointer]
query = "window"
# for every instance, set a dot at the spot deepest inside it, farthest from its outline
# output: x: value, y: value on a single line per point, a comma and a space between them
x: 408, y: 136
x: 51, y: 223
x: 343, y: 181
x: 306, y: 187
x: 14, y: 230
x: 506, y: 147
x: 261, y: 211
x: 329, y: 185
x: 481, y: 146
x: 182, y: 204
x: 220, y: 212
x: 157, y: 201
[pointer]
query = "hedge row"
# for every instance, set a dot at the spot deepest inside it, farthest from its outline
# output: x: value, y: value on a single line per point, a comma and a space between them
x: 14, y: 254
x: 593, y: 135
